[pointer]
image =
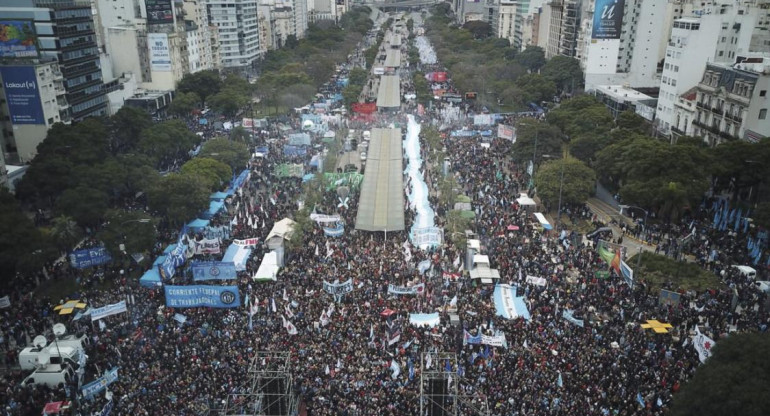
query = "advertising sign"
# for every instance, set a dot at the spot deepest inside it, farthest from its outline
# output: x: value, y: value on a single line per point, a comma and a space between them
x: 160, y: 55
x: 22, y: 95
x: 97, y: 386
x: 159, y: 11
x: 202, y: 296
x: 608, y: 19
x: 18, y: 39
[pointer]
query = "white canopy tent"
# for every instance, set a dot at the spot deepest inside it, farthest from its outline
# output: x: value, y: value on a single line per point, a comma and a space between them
x: 281, y: 231
x: 268, y: 269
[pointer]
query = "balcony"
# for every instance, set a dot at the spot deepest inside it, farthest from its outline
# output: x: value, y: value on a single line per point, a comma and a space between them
x: 717, y: 110
x: 734, y: 117
x: 714, y: 130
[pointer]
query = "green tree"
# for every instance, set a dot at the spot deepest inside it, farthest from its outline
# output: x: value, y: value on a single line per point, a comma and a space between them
x: 167, y: 141
x: 532, y: 58
x: 211, y: 172
x: 184, y: 103
x: 478, y: 28
x: 629, y: 120
x: 240, y: 134
x: 578, y: 181
x: 761, y: 215
x: 565, y: 72
x: 733, y: 381
x: 203, y: 83
x: 581, y: 115
x: 350, y: 94
x: 584, y: 147
x: 357, y: 76
x: 126, y: 126
x: 65, y: 232
x: 86, y: 205
x: 534, y: 88
x: 233, y: 154
x: 135, y: 230
x: 228, y: 102
x: 528, y: 131
x: 178, y: 197
x: 740, y: 166
x: 20, y: 242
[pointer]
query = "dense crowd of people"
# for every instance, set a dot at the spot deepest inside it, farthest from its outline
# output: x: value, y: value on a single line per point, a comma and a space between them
x: 343, y: 357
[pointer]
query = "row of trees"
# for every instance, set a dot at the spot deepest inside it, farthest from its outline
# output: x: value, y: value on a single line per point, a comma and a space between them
x: 225, y: 96
x: 498, y: 72
x: 664, y: 178
x: 293, y: 73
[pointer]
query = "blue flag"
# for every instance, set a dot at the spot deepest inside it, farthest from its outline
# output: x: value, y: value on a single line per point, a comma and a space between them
x: 447, y: 366
x: 640, y: 399
x: 559, y: 381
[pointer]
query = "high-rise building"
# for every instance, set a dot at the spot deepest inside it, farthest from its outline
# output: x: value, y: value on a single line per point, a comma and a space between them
x: 32, y: 98
x: 732, y: 101
x: 560, y: 34
x: 718, y: 33
x: 507, y: 20
x: 198, y: 32
x: 66, y: 32
x: 238, y: 28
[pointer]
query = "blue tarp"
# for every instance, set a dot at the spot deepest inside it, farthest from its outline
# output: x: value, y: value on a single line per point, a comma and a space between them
x: 294, y: 151
x: 169, y: 248
x: 203, y: 121
x: 214, y: 208
x: 238, y: 255
x: 309, y: 177
x: 151, y: 278
x: 159, y: 260
x: 218, y: 196
x: 299, y: 139
x: 197, y: 224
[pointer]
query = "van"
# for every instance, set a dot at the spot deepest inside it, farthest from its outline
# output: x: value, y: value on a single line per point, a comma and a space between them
x: 367, y: 135
x: 746, y: 271
x: 763, y: 285
x: 52, y: 376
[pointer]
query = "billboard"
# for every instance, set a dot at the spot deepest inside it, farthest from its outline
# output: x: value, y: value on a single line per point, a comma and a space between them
x: 608, y: 19
x: 22, y: 95
x: 202, y: 296
x: 160, y: 55
x: 18, y: 39
x: 159, y: 11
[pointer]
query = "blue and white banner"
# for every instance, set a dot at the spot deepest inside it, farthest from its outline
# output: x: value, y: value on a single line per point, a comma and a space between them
x: 508, y: 305
x: 180, y: 318
x: 423, y: 266
x: 430, y: 236
x: 424, y: 319
x: 202, y: 296
x: 568, y: 314
x: 97, y: 386
x: 627, y: 273
x: 107, y: 409
x: 89, y: 257
x: 5, y: 302
x: 493, y: 341
x: 105, y: 311
x: 335, y: 231
x: 337, y: 289
x: 403, y: 290
x: 213, y: 270
x: 173, y: 259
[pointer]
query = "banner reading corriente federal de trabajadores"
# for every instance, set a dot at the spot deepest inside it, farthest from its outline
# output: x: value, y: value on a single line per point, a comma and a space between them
x: 608, y: 19
x: 202, y: 296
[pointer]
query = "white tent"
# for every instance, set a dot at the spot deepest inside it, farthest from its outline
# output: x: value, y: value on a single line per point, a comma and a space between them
x: 268, y: 269
x: 524, y: 200
x: 281, y: 231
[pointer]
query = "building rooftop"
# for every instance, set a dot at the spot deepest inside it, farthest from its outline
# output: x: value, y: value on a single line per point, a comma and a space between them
x: 622, y: 93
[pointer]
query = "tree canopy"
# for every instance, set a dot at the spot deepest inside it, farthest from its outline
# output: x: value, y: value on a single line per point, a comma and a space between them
x: 735, y: 380
x: 203, y: 83
x: 578, y: 181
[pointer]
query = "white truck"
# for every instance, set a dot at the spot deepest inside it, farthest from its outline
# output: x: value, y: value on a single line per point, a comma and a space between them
x: 51, y: 375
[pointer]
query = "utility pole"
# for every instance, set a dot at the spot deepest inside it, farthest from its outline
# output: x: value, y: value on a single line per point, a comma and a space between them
x: 561, y: 185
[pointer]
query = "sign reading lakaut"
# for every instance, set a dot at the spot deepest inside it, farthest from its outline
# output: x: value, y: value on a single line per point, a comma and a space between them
x: 202, y: 296
x: 109, y: 310
x: 404, y: 290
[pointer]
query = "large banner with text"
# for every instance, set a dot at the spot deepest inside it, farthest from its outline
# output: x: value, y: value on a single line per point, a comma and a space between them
x: 202, y: 296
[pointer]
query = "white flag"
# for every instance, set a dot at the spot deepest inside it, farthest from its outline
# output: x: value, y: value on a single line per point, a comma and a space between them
x: 291, y: 328
x: 428, y: 362
x: 395, y: 368
x: 702, y: 344
x: 453, y: 302
x: 272, y: 301
x: 285, y: 295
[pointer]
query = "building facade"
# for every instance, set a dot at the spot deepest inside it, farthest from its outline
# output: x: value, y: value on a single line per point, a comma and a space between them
x: 32, y: 99
x: 732, y: 102
x: 238, y: 31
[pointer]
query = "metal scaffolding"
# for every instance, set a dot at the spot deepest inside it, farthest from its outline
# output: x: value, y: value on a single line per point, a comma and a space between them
x: 440, y: 393
x: 270, y: 389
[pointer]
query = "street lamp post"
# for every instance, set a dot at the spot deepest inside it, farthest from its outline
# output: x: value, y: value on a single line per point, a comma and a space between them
x: 561, y: 187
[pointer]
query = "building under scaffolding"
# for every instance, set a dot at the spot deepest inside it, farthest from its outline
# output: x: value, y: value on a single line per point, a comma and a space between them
x: 440, y: 393
x: 270, y: 388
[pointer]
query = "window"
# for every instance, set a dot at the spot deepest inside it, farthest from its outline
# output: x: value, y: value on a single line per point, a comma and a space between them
x: 762, y: 93
x: 763, y: 114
